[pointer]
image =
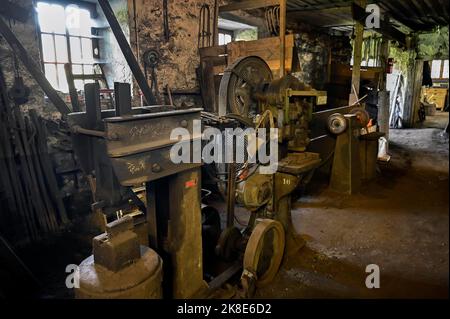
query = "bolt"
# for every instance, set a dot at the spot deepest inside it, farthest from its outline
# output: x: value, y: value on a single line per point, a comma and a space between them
x: 156, y: 168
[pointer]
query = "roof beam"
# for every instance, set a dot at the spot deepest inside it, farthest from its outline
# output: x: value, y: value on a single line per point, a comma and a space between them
x: 435, y: 10
x: 326, y: 6
x: 360, y: 14
x: 401, y: 18
x: 248, y: 5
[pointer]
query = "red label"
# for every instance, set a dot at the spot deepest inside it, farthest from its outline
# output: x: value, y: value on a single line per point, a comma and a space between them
x: 191, y: 183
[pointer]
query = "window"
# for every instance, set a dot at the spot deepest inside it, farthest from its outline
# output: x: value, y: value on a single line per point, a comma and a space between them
x: 225, y: 37
x: 439, y: 69
x: 445, y: 70
x: 66, y: 37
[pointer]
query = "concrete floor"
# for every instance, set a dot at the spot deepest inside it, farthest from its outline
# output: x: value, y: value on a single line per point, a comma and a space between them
x: 400, y: 222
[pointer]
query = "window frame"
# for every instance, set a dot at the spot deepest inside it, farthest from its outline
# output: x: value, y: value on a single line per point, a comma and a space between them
x: 67, y: 37
x: 226, y: 32
x: 441, y: 71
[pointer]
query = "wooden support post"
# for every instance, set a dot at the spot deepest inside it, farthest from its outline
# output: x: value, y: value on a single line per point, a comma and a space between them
x: 384, y: 97
x: 418, y: 78
x: 282, y: 37
x: 357, y: 56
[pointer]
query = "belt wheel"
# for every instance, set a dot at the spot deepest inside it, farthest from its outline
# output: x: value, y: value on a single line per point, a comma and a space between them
x: 264, y: 250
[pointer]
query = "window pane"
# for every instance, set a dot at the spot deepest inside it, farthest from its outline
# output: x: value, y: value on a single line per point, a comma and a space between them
x: 78, y: 69
x: 88, y: 70
x: 227, y: 38
x: 78, y: 21
x: 51, y: 17
x: 73, y: 19
x: 85, y: 19
x: 48, y: 50
x: 436, y: 69
x: 59, y: 19
x: 62, y: 78
x: 79, y: 85
x: 75, y: 50
x: 87, y: 50
x: 445, y: 71
x: 221, y: 39
x: 50, y: 74
x: 61, y: 49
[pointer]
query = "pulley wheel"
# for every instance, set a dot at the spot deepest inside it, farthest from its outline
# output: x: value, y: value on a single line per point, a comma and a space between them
x: 264, y: 251
x: 240, y: 82
x: 362, y: 115
x: 337, y: 124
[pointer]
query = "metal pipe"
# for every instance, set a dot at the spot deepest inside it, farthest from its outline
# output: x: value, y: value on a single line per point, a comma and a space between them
x: 231, y: 193
x: 127, y: 52
x: 79, y: 130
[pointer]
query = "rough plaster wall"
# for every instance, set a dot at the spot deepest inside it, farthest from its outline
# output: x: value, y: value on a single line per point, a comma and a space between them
x: 179, y: 56
x: 117, y: 69
x: 27, y: 35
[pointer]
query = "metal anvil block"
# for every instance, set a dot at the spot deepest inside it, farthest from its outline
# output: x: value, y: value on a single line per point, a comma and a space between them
x: 118, y: 247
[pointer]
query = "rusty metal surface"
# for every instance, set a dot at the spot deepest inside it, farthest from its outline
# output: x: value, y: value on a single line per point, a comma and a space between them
x: 145, y: 132
x: 118, y: 247
x: 184, y: 242
x: 346, y: 172
x: 142, y: 280
x: 264, y: 250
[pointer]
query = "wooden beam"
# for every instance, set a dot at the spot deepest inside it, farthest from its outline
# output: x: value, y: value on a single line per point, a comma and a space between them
x: 444, y: 8
x: 400, y: 18
x: 282, y: 37
x: 357, y: 55
x: 383, y: 106
x: 327, y: 6
x: 332, y: 11
x: 248, y: 5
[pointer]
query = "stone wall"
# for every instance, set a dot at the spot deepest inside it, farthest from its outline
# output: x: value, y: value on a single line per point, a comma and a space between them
x: 179, y: 56
x: 315, y: 49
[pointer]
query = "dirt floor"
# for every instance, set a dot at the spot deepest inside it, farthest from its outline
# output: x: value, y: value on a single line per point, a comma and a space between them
x: 399, y: 222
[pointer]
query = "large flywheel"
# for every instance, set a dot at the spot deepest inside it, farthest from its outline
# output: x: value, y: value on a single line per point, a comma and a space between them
x: 240, y: 82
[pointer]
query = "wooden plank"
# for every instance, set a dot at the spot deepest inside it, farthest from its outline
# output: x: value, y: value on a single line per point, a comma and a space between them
x: 283, y: 50
x: 417, y: 91
x: 268, y: 49
x: 248, y: 5
x: 213, y: 51
x: 357, y: 56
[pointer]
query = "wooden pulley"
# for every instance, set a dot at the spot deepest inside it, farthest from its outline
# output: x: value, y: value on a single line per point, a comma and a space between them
x: 264, y: 250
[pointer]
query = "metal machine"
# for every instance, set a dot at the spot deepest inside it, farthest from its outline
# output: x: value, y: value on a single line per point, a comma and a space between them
x: 128, y: 148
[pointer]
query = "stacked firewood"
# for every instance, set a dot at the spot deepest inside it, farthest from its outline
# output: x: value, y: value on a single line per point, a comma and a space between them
x: 31, y: 205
